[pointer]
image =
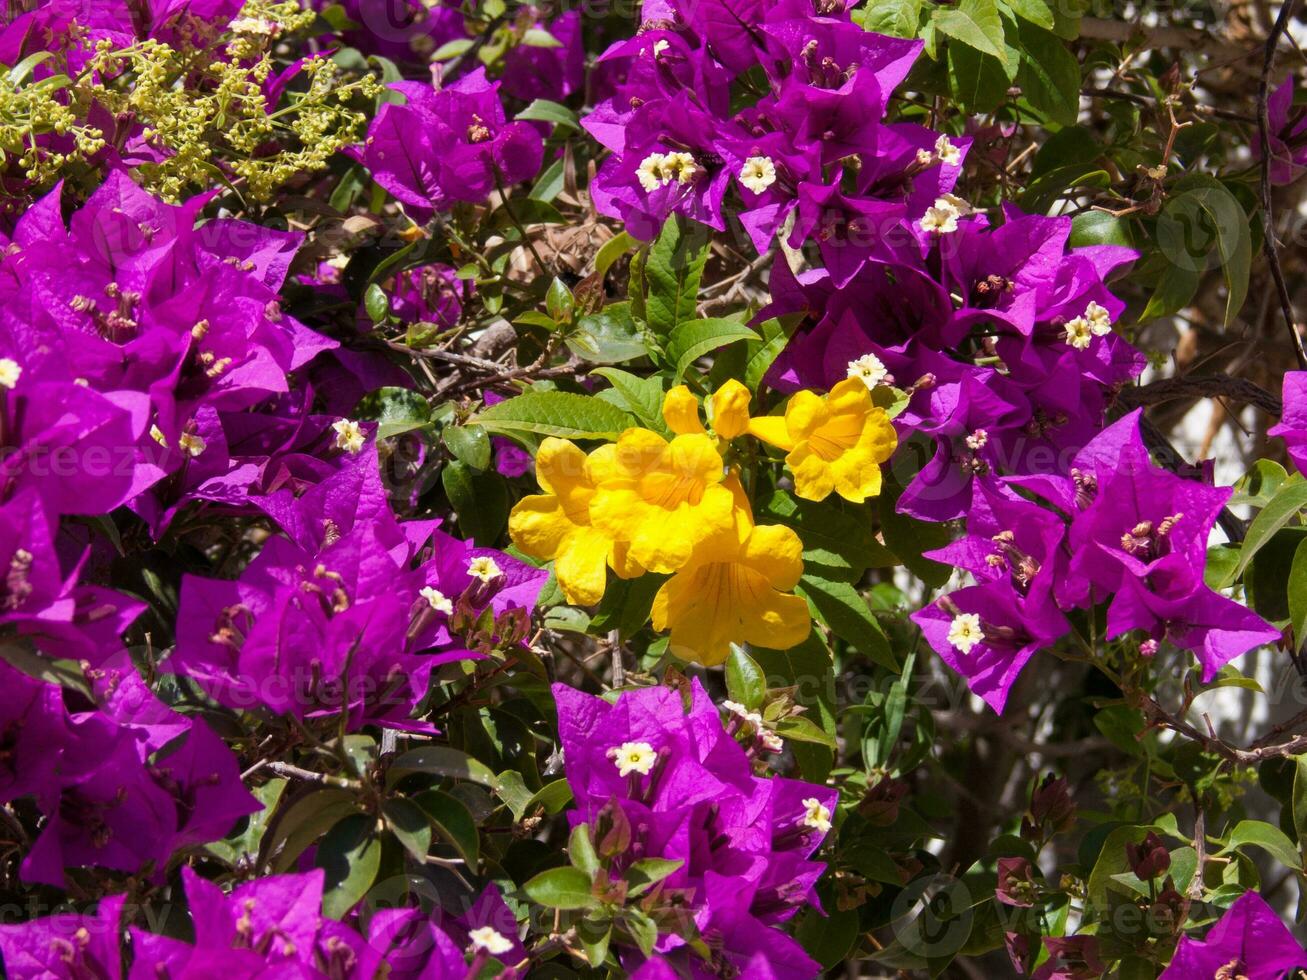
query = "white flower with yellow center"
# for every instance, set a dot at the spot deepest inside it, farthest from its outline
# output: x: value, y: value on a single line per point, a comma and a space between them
x: 758, y: 173
x: 651, y: 172
x: 816, y: 816
x: 1079, y: 333
x: 1100, y: 321
x: 977, y: 440
x: 869, y: 369
x: 191, y: 444
x: 349, y: 435
x: 632, y: 757
x: 10, y: 372
x: 484, y: 567
x: 941, y: 218
x: 965, y: 632
x: 947, y: 153
x: 488, y: 939
x: 681, y: 167
x: 436, y: 599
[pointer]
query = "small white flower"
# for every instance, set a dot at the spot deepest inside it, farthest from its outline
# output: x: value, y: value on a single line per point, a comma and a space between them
x: 869, y: 368
x: 483, y: 567
x: 436, y: 599
x: 349, y: 435
x: 661, y: 45
x: 632, y: 757
x: 651, y: 172
x: 255, y: 25
x: 925, y: 158
x: 10, y: 372
x: 941, y: 218
x: 490, y: 940
x: 816, y: 816
x: 1100, y: 321
x: 681, y: 167
x: 191, y: 444
x: 965, y: 632
x: 743, y: 713
x: 758, y: 173
x: 977, y: 440
x: 1079, y: 333
x: 960, y: 205
x: 947, y: 152
x: 771, y: 741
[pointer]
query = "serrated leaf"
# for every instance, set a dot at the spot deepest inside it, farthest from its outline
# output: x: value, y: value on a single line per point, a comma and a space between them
x: 1035, y: 11
x: 976, y: 23
x: 555, y: 413
x: 839, y: 606
x: 642, y: 397
x: 1287, y: 503
x: 469, y: 444
x: 673, y: 269
x: 690, y: 341
x: 561, y: 888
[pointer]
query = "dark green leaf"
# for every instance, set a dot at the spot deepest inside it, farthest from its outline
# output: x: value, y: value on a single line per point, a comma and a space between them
x: 409, y: 825
x: 469, y: 444
x: 479, y: 499
x: 691, y: 340
x: 441, y: 760
x: 975, y: 23
x: 561, y: 888
x: 453, y: 821
x: 555, y: 413
x: 395, y: 410
x: 673, y: 270
x: 350, y: 854
x: 745, y: 681
x: 839, y: 606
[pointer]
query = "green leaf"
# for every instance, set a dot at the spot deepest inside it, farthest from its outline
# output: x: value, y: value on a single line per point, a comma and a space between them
x: 745, y: 681
x: 542, y: 110
x: 538, y: 37
x: 691, y: 340
x: 836, y: 535
x: 1297, y: 588
x: 839, y: 606
x: 642, y: 397
x: 307, y: 819
x: 594, y: 938
x: 468, y: 444
x: 1283, y: 507
x: 559, y: 301
x: 647, y: 872
x: 396, y: 410
x: 673, y: 270
x: 898, y: 18
x: 245, y: 844
x: 19, y: 652
x: 479, y: 499
x: 409, y: 825
x: 581, y: 850
x: 441, y: 760
x: 1049, y: 74
x: 350, y: 855
x: 801, y: 729
x: 976, y: 23
x: 908, y: 538
x: 561, y: 888
x: 555, y: 413
x: 376, y: 303
x: 1035, y: 11
x: 626, y: 604
x: 612, y: 250
x: 608, y: 337
x: 828, y: 936
x: 453, y: 821
x: 1203, y: 221
x: 1299, y: 808
x: 1272, y: 840
x: 1099, y: 228
x: 642, y: 928
x: 979, y: 82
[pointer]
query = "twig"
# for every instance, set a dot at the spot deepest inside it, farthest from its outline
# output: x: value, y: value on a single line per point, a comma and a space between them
x: 308, y: 776
x: 1269, y: 245
x: 1203, y: 386
x: 1149, y: 101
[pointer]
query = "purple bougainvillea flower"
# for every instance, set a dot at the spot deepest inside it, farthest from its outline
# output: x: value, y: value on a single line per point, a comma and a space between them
x: 687, y: 790
x: 1293, y: 422
x: 66, y: 946
x: 450, y: 145
x: 1249, y: 941
x: 1287, y: 133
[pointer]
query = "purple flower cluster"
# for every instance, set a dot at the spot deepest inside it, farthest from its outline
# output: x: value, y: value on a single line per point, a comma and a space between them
x: 813, y: 144
x: 449, y: 145
x: 1117, y: 530
x: 350, y: 612
x: 655, y: 778
x: 268, y: 927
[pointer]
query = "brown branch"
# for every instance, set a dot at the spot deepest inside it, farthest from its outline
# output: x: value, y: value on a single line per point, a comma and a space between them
x: 1202, y: 386
x: 1269, y: 245
x: 1158, y: 716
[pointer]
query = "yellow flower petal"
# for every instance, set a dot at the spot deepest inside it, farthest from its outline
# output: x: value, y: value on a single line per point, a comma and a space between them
x: 805, y: 413
x: 771, y: 429
x: 730, y: 410
x: 776, y: 553
x: 538, y: 525
x: 681, y: 411
x: 581, y: 566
